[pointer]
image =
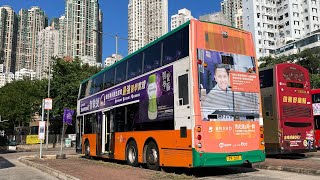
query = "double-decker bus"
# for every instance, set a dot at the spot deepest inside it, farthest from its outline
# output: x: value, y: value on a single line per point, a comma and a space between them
x: 287, y: 109
x: 316, y: 114
x: 191, y: 98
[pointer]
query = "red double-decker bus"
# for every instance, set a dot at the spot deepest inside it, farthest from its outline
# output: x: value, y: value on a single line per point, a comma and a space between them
x: 287, y: 109
x: 316, y: 114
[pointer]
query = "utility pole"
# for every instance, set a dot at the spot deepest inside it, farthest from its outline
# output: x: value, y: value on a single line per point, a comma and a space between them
x: 48, y: 111
x: 116, y: 37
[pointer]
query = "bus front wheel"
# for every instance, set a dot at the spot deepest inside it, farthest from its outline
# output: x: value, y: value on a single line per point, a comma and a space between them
x: 87, y: 150
x: 152, y: 156
x: 132, y: 154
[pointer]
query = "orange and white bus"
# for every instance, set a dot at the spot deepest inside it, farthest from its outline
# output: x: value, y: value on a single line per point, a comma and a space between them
x: 189, y: 99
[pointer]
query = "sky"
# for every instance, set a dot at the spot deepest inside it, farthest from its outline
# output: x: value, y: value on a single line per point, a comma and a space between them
x: 115, y: 16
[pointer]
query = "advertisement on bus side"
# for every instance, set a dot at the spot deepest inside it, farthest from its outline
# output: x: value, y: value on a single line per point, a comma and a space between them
x: 154, y: 92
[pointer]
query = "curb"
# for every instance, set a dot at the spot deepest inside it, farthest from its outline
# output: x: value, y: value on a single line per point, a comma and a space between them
x: 288, y: 169
x: 48, y: 170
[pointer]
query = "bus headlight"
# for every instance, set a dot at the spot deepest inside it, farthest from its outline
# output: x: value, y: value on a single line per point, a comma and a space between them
x: 199, y: 145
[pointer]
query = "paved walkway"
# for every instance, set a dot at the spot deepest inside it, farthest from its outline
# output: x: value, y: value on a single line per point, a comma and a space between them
x: 97, y: 169
x: 308, y: 164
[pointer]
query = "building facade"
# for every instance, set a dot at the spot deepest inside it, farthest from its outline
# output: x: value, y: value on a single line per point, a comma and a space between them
x: 230, y: 9
x: 183, y: 16
x: 147, y: 21
x: 217, y: 17
x: 25, y: 73
x: 275, y: 23
x: 112, y: 59
x: 8, y: 39
x: 6, y: 78
x: 47, y: 47
x: 79, y: 21
x: 31, y: 22
x: 309, y: 42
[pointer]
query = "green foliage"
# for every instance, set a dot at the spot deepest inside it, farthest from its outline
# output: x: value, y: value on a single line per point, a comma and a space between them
x: 19, y: 100
x: 308, y: 58
x: 67, y: 77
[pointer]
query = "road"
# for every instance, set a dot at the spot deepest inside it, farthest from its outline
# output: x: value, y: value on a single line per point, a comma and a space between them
x: 11, y: 168
x: 255, y: 174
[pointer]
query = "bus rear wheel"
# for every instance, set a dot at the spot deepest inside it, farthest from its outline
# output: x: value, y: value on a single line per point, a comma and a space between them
x: 152, y: 156
x: 132, y: 154
x: 87, y: 150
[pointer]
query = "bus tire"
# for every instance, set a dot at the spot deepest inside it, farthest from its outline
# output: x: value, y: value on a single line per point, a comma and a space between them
x: 132, y: 154
x: 152, y: 156
x: 247, y: 164
x: 87, y: 150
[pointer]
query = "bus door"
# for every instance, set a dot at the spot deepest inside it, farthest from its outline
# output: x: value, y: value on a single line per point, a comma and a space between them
x: 79, y: 133
x: 107, y: 121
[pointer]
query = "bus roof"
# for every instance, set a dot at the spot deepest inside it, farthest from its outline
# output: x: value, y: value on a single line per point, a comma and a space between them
x: 139, y: 50
x: 152, y: 43
x: 315, y: 91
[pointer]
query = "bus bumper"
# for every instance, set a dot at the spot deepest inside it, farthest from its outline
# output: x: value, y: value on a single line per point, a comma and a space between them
x: 202, y: 159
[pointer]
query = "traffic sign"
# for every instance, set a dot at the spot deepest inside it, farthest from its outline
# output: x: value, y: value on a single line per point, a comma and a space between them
x: 42, y: 130
x: 47, y: 103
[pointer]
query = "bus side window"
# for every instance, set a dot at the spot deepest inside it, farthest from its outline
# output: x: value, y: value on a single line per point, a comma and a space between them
x: 109, y: 78
x: 121, y: 72
x: 135, y: 66
x: 183, y: 89
x: 266, y: 78
x: 176, y: 46
x: 152, y: 57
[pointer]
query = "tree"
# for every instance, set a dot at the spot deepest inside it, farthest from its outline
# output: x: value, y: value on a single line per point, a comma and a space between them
x: 20, y: 99
x: 308, y: 58
x: 269, y: 61
x: 67, y: 76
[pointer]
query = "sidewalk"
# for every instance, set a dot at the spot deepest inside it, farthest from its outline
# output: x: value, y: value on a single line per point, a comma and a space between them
x: 75, y: 167
x: 310, y: 164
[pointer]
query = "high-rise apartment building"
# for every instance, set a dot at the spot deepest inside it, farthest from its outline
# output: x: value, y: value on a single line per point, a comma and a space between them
x: 62, y: 36
x: 147, y: 21
x: 54, y: 22
x: 217, y: 17
x: 112, y: 59
x: 274, y: 23
x: 31, y: 22
x: 81, y: 18
x: 183, y: 16
x: 47, y: 47
x: 232, y: 11
x: 8, y: 39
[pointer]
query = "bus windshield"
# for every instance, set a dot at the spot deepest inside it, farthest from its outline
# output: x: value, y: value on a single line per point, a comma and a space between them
x: 221, y: 100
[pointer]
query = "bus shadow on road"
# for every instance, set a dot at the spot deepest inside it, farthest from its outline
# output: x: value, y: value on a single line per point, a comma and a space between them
x: 5, y: 163
x: 209, y: 171
x: 196, y: 172
x: 288, y: 156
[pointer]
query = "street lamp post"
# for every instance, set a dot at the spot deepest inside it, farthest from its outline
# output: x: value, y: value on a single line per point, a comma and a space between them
x: 116, y: 37
x: 48, y: 111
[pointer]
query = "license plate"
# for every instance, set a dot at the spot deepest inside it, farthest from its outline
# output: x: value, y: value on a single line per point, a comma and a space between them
x: 234, y: 158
